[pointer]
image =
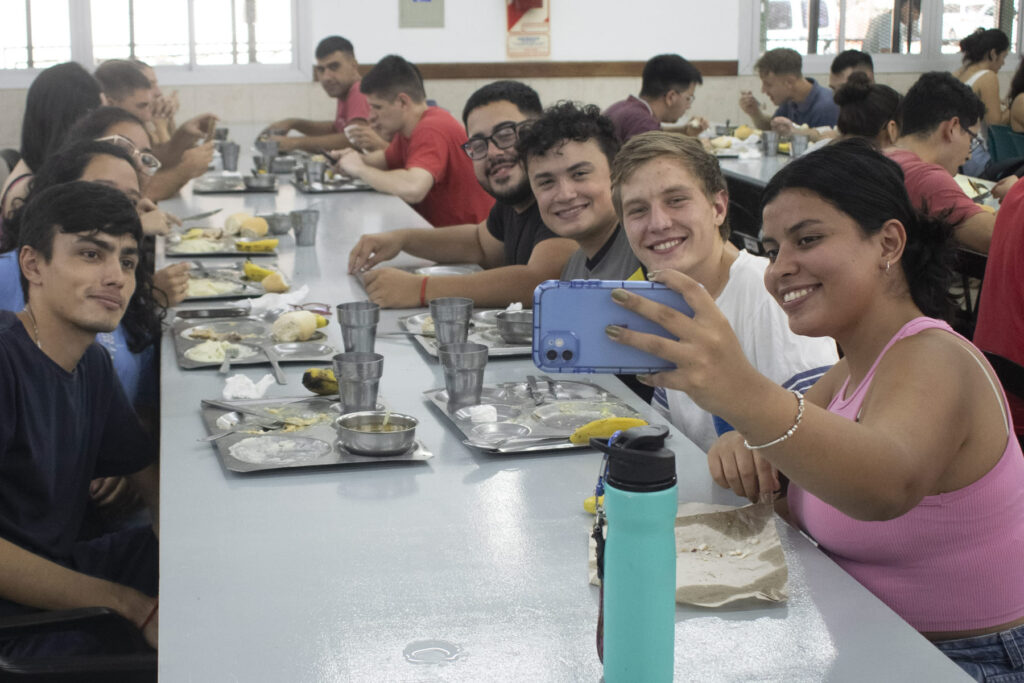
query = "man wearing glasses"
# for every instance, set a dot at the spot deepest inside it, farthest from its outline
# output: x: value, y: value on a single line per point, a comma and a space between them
x: 666, y: 93
x: 424, y: 163
x: 513, y: 246
x: 941, y: 117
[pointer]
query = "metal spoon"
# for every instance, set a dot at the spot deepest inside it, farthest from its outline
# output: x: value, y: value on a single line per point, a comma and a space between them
x: 229, y: 353
x: 278, y: 372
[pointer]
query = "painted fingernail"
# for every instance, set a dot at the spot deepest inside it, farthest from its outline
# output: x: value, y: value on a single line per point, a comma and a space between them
x: 620, y: 295
x: 613, y: 331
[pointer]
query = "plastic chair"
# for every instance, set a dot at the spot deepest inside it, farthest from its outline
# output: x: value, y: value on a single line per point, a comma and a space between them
x: 1004, y: 144
x: 137, y: 663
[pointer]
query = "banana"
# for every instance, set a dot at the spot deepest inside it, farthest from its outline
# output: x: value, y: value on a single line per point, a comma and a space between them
x: 604, y: 428
x: 256, y: 245
x: 320, y: 320
x: 254, y: 272
x: 192, y: 233
x: 590, y: 504
x: 320, y: 381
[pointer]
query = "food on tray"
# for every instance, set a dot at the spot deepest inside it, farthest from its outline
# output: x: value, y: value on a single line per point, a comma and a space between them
x: 214, y: 351
x: 743, y: 132
x: 254, y: 272
x: 427, y: 326
x: 320, y: 381
x: 200, y: 245
x: 206, y: 286
x: 275, y: 282
x: 604, y: 428
x: 296, y: 326
x: 254, y: 227
x: 721, y: 142
x: 483, y: 413
x: 233, y: 224
x: 257, y: 245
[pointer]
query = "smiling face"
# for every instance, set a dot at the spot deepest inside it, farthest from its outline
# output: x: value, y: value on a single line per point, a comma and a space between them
x: 573, y: 186
x: 825, y: 272
x: 336, y: 73
x: 670, y: 220
x: 500, y: 173
x: 88, y: 280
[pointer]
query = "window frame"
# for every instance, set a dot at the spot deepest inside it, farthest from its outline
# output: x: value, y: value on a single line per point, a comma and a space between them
x: 80, y: 16
x: 930, y: 59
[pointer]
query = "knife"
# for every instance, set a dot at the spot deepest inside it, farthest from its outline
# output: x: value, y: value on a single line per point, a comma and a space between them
x: 239, y: 311
x: 278, y: 372
x: 200, y: 216
x: 254, y: 411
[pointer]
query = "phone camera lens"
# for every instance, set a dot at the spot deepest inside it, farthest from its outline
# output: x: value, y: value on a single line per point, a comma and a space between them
x: 552, y: 354
x: 567, y: 355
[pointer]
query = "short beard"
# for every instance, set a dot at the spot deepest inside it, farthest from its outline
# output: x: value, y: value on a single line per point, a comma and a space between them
x: 514, y: 196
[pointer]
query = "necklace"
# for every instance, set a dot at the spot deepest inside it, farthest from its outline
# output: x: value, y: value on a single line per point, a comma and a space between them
x: 35, y: 328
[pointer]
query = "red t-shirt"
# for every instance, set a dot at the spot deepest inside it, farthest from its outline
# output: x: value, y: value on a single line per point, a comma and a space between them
x: 436, y: 146
x: 351, y: 106
x: 932, y: 185
x: 1000, y: 325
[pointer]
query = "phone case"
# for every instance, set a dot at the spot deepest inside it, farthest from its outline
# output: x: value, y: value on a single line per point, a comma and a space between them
x: 569, y: 319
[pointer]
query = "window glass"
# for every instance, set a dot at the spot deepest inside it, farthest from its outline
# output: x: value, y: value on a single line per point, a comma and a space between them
x: 51, y: 32
x: 14, y: 37
x: 161, y: 31
x: 787, y: 21
x: 960, y: 19
x: 869, y: 26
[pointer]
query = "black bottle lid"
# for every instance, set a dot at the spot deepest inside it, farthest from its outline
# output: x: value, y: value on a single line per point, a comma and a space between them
x: 638, y: 459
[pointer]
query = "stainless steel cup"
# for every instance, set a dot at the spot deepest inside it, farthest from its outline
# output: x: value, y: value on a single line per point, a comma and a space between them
x: 797, y: 145
x: 315, y: 171
x: 229, y: 156
x: 463, y: 365
x: 304, y: 222
x: 451, y: 316
x: 769, y: 143
x: 268, y: 148
x: 358, y: 320
x: 358, y: 374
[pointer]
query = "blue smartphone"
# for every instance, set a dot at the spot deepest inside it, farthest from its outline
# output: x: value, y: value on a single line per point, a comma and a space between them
x: 569, y: 319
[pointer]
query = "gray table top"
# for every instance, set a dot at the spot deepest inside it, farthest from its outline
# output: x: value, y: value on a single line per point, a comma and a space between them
x: 331, y: 574
x: 757, y: 171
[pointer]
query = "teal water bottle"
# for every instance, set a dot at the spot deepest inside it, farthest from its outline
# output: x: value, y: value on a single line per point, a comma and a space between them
x: 639, y: 557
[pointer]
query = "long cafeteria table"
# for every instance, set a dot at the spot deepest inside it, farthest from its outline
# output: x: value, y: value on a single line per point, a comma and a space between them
x: 361, y: 572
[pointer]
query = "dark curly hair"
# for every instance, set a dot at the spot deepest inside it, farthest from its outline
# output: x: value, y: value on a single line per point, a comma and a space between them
x: 865, y: 185
x: 144, y: 315
x: 565, y: 122
x: 977, y: 45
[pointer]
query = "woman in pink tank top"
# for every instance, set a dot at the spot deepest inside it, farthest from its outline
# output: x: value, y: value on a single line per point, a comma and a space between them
x: 902, y: 460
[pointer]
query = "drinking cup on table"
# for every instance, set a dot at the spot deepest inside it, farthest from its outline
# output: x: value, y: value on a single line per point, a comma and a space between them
x: 315, y: 171
x: 451, y: 316
x: 463, y: 365
x: 229, y: 156
x: 358, y: 320
x: 358, y: 374
x: 268, y: 148
x: 769, y: 143
x: 797, y: 145
x: 304, y: 222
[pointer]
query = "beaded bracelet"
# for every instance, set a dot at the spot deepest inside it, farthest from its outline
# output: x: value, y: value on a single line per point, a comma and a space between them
x: 423, y: 291
x: 790, y: 431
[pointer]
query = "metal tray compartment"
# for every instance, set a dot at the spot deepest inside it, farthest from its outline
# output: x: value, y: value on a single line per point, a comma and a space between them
x: 233, y: 273
x: 226, y: 247
x: 523, y: 425
x: 483, y: 330
x: 225, y: 184
x: 351, y: 185
x: 252, y: 333
x: 253, y: 449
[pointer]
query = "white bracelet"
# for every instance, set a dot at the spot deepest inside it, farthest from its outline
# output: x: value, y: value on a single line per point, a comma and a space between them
x: 790, y: 431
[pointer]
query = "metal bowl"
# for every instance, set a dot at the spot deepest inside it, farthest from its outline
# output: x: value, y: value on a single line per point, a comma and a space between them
x: 354, y: 438
x: 263, y: 181
x: 279, y: 223
x: 515, y: 327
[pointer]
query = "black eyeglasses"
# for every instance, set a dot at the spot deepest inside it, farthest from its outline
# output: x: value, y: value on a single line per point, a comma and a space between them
x: 976, y: 143
x: 503, y: 137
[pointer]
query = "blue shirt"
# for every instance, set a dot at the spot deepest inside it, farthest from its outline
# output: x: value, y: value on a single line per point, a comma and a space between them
x: 817, y: 109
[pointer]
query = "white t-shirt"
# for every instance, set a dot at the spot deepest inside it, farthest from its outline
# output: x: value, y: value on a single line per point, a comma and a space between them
x: 760, y: 324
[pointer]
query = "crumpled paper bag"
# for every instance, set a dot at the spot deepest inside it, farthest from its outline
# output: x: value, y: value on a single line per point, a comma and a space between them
x: 239, y: 387
x: 274, y: 301
x: 725, y: 556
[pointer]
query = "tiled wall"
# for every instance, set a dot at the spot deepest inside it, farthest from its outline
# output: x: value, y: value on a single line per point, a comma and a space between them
x: 716, y: 99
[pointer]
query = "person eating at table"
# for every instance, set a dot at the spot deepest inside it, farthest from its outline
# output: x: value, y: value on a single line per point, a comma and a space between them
x: 126, y: 87
x: 901, y: 459
x: 338, y: 74
x: 666, y: 93
x: 515, y: 248
x: 67, y: 419
x: 424, y: 164
x: 568, y: 154
x: 672, y: 199
x: 798, y: 99
x: 940, y: 120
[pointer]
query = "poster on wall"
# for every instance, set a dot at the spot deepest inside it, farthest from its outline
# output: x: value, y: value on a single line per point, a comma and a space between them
x: 529, y: 29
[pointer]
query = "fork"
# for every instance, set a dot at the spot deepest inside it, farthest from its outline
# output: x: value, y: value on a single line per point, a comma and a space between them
x: 229, y: 353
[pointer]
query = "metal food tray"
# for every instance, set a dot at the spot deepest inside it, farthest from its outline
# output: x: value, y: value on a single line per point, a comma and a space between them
x: 228, y: 249
x: 324, y: 449
x: 524, y: 425
x: 483, y: 330
x: 226, y: 184
x: 329, y: 187
x: 315, y: 350
x: 228, y: 272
